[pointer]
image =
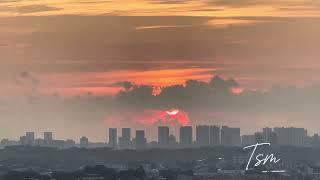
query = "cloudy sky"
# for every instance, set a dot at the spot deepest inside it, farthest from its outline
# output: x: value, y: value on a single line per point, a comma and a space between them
x: 62, y: 61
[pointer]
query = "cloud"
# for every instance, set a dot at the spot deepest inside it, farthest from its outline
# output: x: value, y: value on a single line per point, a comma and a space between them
x: 170, y: 1
x: 240, y: 3
x: 148, y: 117
x: 204, y: 8
x: 4, y: 45
x: 126, y: 85
x: 198, y: 101
x: 10, y: 1
x: 140, y: 28
x: 28, y: 76
x: 35, y: 9
x: 299, y: 8
x: 92, y: 1
x: 27, y: 81
x: 183, y: 96
x: 231, y: 22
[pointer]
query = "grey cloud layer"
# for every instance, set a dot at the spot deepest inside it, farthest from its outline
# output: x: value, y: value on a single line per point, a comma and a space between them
x: 281, y: 40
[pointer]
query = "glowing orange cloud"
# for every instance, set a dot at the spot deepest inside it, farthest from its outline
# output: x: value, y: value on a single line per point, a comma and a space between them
x: 101, y: 83
x: 237, y: 90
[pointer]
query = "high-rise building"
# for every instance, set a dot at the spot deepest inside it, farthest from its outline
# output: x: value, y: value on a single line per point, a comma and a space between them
x: 230, y: 136
x: 274, y: 140
x: 69, y: 143
x: 47, y: 138
x: 113, y: 137
x: 202, y: 135
x: 267, y: 134
x: 125, y: 139
x: 30, y: 136
x: 163, y: 136
x: 140, y: 140
x: 172, y: 141
x: 214, y: 135
x: 258, y: 137
x: 186, y: 136
x: 126, y: 133
x: 23, y: 140
x: 84, y: 142
x: 248, y: 140
x: 315, y: 140
x: 290, y: 136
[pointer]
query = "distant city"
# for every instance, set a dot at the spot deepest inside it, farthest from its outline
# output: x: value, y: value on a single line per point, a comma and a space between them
x: 205, y: 136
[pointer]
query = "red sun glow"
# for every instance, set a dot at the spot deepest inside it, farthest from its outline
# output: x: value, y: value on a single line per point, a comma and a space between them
x: 150, y: 117
x: 172, y: 112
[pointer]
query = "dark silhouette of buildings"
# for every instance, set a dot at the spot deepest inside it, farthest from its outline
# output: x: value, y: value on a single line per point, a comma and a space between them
x: 202, y: 135
x: 163, y: 136
x: 214, y: 135
x: 125, y: 139
x: 140, y: 140
x: 230, y: 136
x: 84, y: 142
x: 113, y: 137
x: 47, y: 138
x: 186, y: 136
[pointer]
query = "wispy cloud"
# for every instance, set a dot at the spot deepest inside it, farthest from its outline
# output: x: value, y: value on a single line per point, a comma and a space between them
x: 231, y: 22
x: 161, y: 27
x: 212, y: 8
x: 35, y: 9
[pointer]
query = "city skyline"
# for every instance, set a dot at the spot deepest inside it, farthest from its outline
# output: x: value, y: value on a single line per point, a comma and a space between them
x: 200, y: 135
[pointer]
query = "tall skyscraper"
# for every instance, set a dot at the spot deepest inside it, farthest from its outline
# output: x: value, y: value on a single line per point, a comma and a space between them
x: 126, y: 133
x: 140, y: 140
x: 23, y: 140
x: 47, y: 137
x: 214, y: 135
x: 172, y: 141
x: 290, y: 136
x: 125, y: 139
x: 274, y: 140
x: 185, y: 136
x: 113, y: 137
x: 163, y: 136
x: 202, y: 135
x: 230, y: 136
x: 84, y: 142
x: 267, y: 134
x: 30, y: 138
x: 259, y: 137
x: 247, y: 140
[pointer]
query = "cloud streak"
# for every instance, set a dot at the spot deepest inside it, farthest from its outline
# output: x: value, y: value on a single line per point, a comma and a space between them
x: 36, y: 9
x: 204, y: 8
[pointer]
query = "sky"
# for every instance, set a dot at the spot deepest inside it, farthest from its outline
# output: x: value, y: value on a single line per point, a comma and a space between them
x: 63, y: 63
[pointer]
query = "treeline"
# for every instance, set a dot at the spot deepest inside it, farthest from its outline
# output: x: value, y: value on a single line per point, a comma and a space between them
x: 98, y: 171
x: 72, y: 159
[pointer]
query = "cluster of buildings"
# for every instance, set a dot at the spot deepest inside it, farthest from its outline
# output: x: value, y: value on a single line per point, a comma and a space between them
x: 282, y: 136
x: 205, y: 135
x: 29, y: 139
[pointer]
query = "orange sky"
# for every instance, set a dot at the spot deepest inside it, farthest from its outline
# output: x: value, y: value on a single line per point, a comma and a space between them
x: 103, y: 42
x: 214, y: 8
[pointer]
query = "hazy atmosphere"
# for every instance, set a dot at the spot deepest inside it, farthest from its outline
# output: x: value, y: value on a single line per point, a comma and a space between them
x: 78, y: 67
